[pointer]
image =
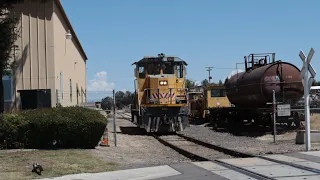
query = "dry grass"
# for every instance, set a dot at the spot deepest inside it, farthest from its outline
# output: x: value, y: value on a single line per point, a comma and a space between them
x: 315, y: 121
x: 18, y: 165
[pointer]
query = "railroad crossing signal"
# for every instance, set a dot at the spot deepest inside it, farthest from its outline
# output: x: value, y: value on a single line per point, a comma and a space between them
x: 307, y: 67
x: 307, y: 83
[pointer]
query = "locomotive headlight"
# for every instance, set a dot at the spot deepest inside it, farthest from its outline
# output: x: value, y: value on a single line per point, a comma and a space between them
x: 163, y: 83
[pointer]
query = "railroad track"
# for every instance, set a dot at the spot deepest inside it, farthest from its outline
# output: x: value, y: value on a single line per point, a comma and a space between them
x: 126, y: 115
x: 197, y: 150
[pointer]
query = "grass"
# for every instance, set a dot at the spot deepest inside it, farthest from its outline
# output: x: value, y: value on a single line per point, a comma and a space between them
x: 18, y: 165
x: 315, y: 121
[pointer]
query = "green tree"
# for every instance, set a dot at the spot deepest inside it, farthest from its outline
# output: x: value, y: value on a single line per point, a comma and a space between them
x: 123, y: 98
x: 107, y: 103
x: 205, y: 82
x: 119, y: 99
x: 127, y: 98
x: 8, y: 36
x: 315, y: 83
x: 189, y: 83
x: 220, y: 83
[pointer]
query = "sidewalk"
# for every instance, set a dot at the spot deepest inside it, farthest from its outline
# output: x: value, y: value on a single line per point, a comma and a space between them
x: 208, y: 170
x: 130, y: 174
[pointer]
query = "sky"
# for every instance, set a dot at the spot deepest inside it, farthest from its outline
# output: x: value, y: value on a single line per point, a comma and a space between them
x: 217, y: 33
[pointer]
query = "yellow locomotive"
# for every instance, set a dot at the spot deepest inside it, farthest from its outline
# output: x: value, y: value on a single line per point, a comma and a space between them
x: 160, y: 103
x: 206, y: 103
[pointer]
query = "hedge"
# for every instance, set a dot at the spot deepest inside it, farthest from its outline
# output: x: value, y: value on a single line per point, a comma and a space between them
x: 62, y: 127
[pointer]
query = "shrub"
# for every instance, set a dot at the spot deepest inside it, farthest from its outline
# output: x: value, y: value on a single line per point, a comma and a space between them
x: 69, y: 127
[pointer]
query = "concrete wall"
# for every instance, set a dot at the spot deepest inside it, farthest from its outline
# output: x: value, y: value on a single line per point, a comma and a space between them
x: 68, y: 61
x: 43, y: 52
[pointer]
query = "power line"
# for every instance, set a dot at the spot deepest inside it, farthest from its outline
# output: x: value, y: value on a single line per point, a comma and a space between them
x: 222, y: 68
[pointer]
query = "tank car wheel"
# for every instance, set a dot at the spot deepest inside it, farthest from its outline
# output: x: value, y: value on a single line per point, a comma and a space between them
x: 215, y: 120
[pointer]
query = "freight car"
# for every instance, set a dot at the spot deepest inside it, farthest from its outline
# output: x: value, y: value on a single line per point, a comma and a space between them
x: 160, y: 102
x: 211, y: 98
x: 251, y: 92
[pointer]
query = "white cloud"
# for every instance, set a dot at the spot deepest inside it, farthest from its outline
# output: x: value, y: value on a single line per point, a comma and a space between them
x: 100, y: 83
x: 235, y: 71
x: 197, y: 83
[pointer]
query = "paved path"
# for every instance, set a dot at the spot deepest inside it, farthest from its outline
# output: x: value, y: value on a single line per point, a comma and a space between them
x: 208, y: 170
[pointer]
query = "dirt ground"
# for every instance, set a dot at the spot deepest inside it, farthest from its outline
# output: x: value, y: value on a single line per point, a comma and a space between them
x: 17, y: 164
x: 315, y: 121
x: 314, y: 124
x: 135, y: 149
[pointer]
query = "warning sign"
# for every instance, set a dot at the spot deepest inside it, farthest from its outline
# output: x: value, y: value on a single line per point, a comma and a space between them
x: 283, y: 110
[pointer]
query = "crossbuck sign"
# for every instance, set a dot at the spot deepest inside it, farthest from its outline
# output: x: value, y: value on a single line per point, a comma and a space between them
x: 307, y: 83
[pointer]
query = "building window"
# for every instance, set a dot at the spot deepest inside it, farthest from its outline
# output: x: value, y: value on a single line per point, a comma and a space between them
x: 81, y: 95
x: 61, y: 84
x: 85, y: 95
x: 7, y: 88
x: 70, y: 90
x: 77, y: 93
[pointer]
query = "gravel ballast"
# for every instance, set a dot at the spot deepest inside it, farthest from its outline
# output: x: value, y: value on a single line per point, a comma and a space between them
x: 134, y: 149
x: 253, y: 145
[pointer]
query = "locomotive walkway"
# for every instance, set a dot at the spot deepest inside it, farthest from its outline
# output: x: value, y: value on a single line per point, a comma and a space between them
x: 207, y: 170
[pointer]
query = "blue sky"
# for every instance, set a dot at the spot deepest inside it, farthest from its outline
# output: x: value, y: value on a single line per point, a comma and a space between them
x: 115, y: 33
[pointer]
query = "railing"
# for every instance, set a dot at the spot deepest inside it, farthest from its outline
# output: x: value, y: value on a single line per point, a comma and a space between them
x: 150, y: 99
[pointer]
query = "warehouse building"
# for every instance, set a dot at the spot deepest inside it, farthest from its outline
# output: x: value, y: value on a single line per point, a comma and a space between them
x: 49, y: 63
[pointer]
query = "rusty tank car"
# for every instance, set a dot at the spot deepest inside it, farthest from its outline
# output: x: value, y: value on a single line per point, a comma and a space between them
x: 251, y: 92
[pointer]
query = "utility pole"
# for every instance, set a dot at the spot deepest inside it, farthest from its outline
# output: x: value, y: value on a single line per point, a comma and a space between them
x: 209, y: 70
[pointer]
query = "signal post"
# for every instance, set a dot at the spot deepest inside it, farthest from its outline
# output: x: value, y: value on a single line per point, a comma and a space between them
x: 307, y: 83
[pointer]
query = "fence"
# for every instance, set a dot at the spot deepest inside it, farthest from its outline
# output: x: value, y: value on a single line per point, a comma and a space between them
x: 82, y: 98
x: 292, y: 107
x: 293, y: 104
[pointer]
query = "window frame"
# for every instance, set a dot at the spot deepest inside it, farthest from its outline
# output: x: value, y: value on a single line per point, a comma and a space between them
x: 61, y: 84
x: 70, y: 83
x: 180, y: 70
x: 143, y: 74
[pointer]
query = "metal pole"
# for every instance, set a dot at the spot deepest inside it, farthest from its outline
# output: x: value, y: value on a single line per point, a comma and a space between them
x: 306, y: 107
x: 114, y: 119
x: 209, y: 69
x: 274, y: 117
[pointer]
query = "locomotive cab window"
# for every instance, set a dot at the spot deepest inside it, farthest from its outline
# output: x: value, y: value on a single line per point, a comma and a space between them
x: 168, y: 68
x: 179, y: 71
x: 153, y: 69
x: 218, y: 93
x: 142, y: 71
